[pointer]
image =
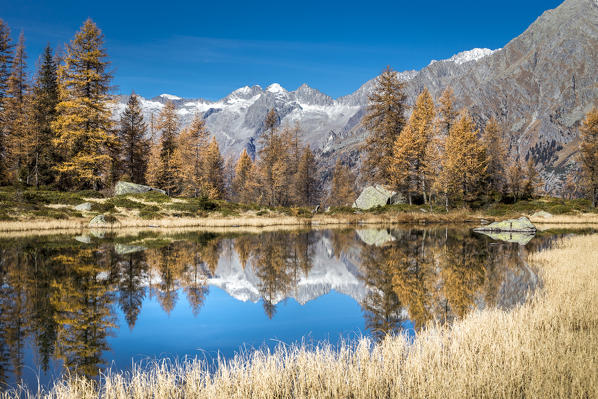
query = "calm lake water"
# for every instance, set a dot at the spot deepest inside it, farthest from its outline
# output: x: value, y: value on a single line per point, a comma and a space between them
x: 88, y: 302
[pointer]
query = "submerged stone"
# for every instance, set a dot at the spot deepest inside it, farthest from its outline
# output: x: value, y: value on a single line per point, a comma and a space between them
x: 373, y: 196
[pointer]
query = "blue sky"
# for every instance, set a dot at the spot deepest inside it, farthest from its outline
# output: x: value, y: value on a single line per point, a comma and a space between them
x: 209, y: 48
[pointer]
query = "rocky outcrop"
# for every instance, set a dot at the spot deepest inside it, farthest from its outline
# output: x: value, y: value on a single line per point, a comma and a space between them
x: 373, y: 196
x: 123, y: 188
x: 521, y: 225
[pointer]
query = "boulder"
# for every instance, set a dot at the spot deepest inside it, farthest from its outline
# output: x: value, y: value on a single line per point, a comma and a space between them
x: 102, y: 221
x: 84, y: 207
x: 521, y: 225
x: 85, y: 239
x: 373, y: 196
x: 542, y: 215
x: 124, y: 187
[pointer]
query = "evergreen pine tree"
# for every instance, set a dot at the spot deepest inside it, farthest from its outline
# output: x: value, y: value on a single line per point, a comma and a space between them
x: 43, y: 112
x: 268, y: 156
x: 17, y: 126
x: 134, y: 145
x: 465, y: 163
x: 306, y: 185
x: 84, y: 125
x: 168, y: 171
x: 588, y: 154
x: 6, y: 54
x: 385, y: 119
x: 497, y: 154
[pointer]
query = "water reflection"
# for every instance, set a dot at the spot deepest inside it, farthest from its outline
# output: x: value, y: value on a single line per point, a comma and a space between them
x: 61, y: 294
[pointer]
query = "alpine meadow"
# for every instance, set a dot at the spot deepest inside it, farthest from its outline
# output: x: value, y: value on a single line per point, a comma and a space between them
x: 432, y: 234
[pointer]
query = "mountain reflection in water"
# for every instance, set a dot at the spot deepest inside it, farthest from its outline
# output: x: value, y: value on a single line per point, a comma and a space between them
x: 62, y: 296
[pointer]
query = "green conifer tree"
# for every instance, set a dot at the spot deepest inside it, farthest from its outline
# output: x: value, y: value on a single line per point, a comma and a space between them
x: 134, y: 144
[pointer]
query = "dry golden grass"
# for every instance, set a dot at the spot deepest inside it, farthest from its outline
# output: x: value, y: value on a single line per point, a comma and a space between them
x: 245, y: 220
x: 546, y: 348
x: 581, y: 219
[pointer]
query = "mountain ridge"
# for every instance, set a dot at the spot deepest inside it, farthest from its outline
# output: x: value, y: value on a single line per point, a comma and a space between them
x: 539, y: 86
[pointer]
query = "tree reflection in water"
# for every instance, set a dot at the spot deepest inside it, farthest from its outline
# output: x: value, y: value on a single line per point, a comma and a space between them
x: 61, y: 294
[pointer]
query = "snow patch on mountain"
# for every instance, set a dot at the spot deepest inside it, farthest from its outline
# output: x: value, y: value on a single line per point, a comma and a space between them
x: 275, y: 88
x: 468, y: 56
x: 169, y: 97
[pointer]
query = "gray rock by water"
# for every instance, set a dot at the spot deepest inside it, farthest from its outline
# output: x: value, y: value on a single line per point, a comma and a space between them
x: 375, y: 237
x: 521, y: 225
x: 373, y: 196
x: 509, y: 236
x: 542, y: 215
x: 84, y: 207
x: 124, y: 187
x: 98, y: 221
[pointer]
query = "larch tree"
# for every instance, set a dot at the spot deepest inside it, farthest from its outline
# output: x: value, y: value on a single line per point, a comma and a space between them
x: 447, y: 112
x: 168, y: 171
x: 342, y: 188
x: 17, y: 127
x: 532, y: 181
x: 269, y: 154
x: 244, y: 184
x: 135, y: 146
x: 465, y: 163
x: 384, y: 120
x: 84, y: 127
x: 306, y: 184
x: 408, y: 166
x: 214, y: 169
x: 515, y: 177
x: 193, y: 143
x: 493, y: 139
x: 6, y: 54
x: 588, y: 154
x: 43, y: 113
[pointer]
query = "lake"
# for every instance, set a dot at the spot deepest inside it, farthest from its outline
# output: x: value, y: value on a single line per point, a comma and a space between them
x: 98, y: 300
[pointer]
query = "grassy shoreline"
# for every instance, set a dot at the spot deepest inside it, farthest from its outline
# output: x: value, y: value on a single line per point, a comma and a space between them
x: 547, y: 347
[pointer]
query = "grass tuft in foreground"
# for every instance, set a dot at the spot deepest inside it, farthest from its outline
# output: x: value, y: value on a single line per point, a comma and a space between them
x: 547, y: 347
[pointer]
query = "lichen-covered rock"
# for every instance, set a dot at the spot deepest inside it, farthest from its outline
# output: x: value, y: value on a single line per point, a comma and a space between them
x: 84, y: 207
x: 373, y: 196
x: 124, y: 187
x: 521, y: 225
